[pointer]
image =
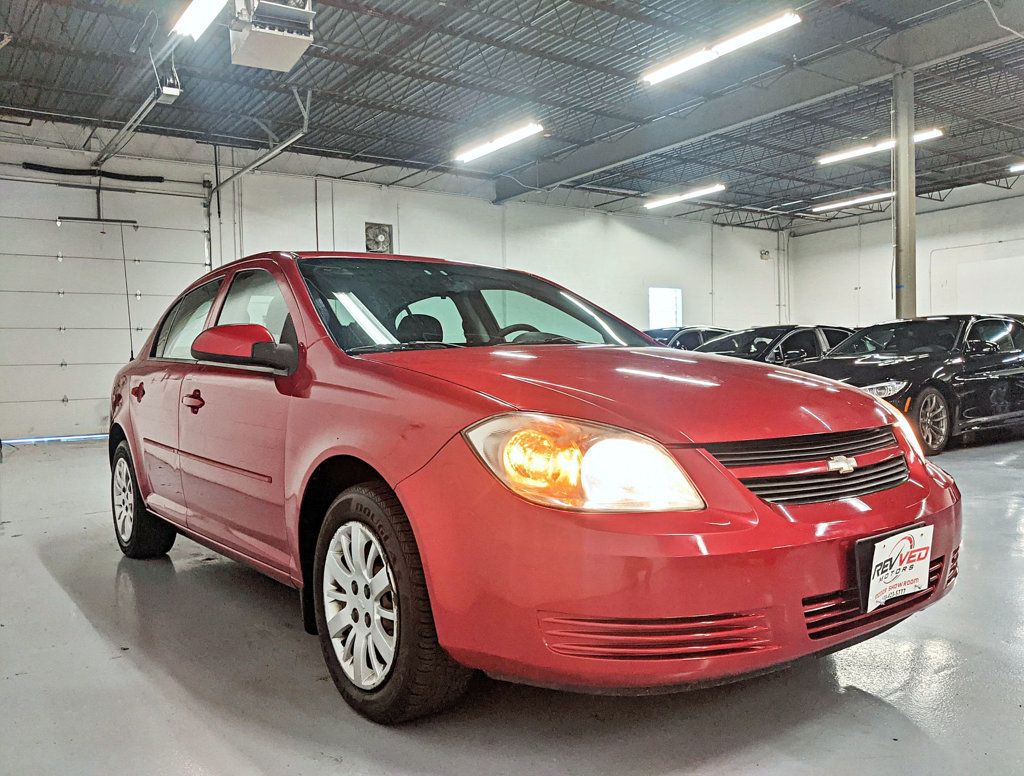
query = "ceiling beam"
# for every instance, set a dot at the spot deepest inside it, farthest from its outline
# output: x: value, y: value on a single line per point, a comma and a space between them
x: 929, y: 43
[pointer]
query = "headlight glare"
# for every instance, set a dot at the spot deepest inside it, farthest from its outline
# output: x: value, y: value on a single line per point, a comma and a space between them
x: 886, y: 390
x: 908, y: 433
x: 588, y: 467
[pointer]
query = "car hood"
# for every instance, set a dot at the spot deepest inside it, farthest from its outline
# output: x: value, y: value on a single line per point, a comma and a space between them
x: 673, y: 396
x: 875, y: 367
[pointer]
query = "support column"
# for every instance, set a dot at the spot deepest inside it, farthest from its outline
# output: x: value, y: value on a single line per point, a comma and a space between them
x: 905, y: 185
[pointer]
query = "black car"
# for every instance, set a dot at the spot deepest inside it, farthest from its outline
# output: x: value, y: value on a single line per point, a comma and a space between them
x: 949, y: 374
x: 685, y: 337
x: 783, y: 344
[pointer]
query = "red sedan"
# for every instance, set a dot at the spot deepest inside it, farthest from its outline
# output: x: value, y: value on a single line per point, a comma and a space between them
x: 462, y: 467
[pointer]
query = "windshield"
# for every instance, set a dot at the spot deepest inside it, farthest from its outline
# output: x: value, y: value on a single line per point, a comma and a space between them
x: 750, y: 343
x: 902, y: 338
x: 376, y: 305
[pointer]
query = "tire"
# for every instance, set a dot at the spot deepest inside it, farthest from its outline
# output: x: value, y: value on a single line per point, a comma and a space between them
x: 139, y: 533
x: 368, y: 539
x: 932, y: 419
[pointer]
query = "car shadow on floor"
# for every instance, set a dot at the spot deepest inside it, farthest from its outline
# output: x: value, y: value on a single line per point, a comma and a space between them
x: 232, y: 639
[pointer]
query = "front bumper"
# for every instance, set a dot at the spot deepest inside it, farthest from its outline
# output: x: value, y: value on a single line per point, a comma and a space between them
x: 648, y: 601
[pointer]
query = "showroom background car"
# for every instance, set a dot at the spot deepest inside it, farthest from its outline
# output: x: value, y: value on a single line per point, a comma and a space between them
x: 685, y: 337
x: 468, y: 468
x: 949, y: 374
x: 782, y: 344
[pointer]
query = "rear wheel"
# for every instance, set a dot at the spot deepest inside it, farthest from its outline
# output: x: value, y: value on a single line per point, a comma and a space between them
x: 373, y: 613
x: 140, y: 533
x: 930, y: 415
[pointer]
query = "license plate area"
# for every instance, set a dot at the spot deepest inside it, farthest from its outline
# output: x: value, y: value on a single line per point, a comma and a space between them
x: 893, y: 564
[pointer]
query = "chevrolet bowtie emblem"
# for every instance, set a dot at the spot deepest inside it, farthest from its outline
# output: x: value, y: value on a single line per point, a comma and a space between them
x: 842, y: 464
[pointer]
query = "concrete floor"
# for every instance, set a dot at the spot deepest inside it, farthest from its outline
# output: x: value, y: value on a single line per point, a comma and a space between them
x: 195, y: 664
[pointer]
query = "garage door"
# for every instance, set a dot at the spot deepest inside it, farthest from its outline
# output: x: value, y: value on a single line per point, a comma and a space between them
x: 77, y: 297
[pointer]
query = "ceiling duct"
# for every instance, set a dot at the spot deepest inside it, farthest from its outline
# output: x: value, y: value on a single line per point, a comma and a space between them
x: 271, y: 35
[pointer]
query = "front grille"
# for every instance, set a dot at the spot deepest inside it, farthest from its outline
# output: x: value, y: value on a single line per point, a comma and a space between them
x: 834, y: 613
x: 671, y: 638
x: 813, y: 447
x: 954, y: 564
x: 830, y: 486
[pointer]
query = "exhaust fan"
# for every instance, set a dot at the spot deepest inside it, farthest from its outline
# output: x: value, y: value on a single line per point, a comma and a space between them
x: 271, y: 35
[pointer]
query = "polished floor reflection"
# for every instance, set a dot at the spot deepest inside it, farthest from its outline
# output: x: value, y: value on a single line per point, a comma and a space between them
x: 195, y: 664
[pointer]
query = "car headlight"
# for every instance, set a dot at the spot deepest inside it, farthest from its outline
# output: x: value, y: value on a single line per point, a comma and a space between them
x: 886, y: 390
x: 574, y: 464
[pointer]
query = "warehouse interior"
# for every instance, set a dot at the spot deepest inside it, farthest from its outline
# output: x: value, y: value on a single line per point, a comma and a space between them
x: 136, y: 156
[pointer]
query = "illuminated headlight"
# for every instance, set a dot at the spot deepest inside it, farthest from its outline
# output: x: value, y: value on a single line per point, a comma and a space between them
x: 886, y: 390
x: 589, y: 467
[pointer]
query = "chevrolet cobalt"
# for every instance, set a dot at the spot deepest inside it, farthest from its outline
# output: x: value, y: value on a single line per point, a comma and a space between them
x: 464, y: 468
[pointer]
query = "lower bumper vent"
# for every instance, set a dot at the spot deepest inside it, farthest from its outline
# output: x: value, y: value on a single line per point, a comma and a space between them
x: 836, y: 613
x: 671, y: 638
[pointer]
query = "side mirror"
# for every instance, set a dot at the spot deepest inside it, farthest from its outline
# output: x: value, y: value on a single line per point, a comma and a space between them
x: 981, y: 348
x: 243, y: 344
x: 794, y: 355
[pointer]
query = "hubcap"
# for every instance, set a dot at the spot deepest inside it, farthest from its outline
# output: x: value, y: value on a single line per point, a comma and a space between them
x: 360, y: 605
x: 933, y: 421
x: 124, y: 500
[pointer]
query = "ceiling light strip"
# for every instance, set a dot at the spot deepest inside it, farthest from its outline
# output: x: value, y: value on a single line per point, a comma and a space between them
x: 855, y: 201
x: 726, y: 46
x: 507, y: 139
x: 693, y: 194
x: 884, y: 145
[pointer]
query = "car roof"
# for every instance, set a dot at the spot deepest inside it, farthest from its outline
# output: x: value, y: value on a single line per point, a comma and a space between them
x: 305, y: 255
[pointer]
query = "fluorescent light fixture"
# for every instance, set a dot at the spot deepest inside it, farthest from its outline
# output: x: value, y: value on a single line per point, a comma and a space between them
x: 684, y: 196
x: 197, y: 17
x: 884, y: 145
x: 1017, y: 167
x: 726, y: 46
x: 855, y: 201
x: 500, y: 142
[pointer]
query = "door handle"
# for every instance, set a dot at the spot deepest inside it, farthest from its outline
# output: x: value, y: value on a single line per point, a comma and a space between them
x: 138, y: 391
x: 193, y: 401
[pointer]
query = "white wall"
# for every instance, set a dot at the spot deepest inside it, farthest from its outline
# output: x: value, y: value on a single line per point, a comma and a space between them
x: 969, y: 259
x: 609, y: 259
x: 58, y: 352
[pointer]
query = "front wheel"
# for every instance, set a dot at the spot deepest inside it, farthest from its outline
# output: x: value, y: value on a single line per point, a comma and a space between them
x: 140, y: 533
x: 930, y: 415
x: 373, y: 613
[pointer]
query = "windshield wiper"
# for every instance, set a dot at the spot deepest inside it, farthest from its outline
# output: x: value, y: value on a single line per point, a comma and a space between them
x: 410, y: 345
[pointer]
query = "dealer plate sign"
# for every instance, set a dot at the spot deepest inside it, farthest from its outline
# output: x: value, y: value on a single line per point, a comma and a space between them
x: 899, y: 566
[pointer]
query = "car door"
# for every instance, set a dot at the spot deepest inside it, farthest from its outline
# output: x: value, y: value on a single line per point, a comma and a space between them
x: 803, y: 341
x: 991, y: 380
x: 155, y: 392
x: 233, y: 429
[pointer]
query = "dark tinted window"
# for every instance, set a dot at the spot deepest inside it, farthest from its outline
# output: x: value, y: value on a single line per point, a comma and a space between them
x: 394, y: 305
x: 805, y: 340
x: 255, y: 297
x: 744, y: 344
x: 1005, y: 335
x: 904, y: 338
x: 835, y: 336
x: 662, y: 335
x: 687, y: 340
x: 185, y: 322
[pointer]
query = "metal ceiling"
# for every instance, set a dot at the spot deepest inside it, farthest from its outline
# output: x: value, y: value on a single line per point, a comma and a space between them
x: 407, y: 82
